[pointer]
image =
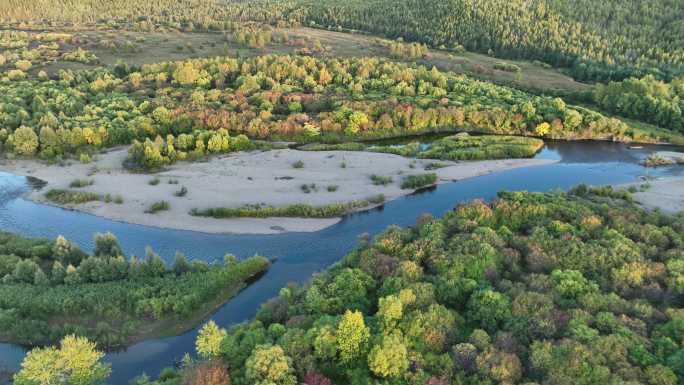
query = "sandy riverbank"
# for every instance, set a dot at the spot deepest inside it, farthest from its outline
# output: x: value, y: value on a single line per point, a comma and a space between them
x: 243, y: 178
x: 666, y: 194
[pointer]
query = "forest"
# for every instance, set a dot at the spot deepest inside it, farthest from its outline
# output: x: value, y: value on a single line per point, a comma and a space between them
x: 607, y: 40
x: 51, y: 289
x: 578, y: 288
x: 534, y: 288
x: 594, y: 41
x: 583, y: 287
x: 189, y: 109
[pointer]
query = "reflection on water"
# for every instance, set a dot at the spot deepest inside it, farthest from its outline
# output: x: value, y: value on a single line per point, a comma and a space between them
x: 300, y: 254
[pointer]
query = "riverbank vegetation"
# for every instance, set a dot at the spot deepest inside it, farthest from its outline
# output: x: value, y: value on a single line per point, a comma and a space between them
x: 50, y: 289
x: 415, y: 182
x: 297, y: 210
x: 466, y: 147
x: 193, y: 108
x: 580, y: 288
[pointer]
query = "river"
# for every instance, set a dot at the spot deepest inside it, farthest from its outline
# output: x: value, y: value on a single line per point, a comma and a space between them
x: 299, y: 255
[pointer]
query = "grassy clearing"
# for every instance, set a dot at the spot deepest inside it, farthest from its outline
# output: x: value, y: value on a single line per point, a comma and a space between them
x: 292, y: 211
x: 416, y: 182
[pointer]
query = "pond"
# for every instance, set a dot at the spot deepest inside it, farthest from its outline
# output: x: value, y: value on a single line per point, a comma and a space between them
x: 301, y: 254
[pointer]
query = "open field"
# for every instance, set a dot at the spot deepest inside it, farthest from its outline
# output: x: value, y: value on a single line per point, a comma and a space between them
x: 127, y: 46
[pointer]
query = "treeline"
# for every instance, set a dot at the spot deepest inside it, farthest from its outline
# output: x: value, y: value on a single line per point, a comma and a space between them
x: 51, y: 288
x: 581, y: 288
x: 159, y: 15
x: 646, y: 99
x: 273, y: 97
x: 595, y: 41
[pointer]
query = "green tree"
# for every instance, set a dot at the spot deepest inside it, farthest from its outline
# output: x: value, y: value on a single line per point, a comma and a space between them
x: 75, y: 362
x: 390, y: 357
x: 352, y: 336
x: 208, y: 344
x: 268, y: 364
x: 25, y: 141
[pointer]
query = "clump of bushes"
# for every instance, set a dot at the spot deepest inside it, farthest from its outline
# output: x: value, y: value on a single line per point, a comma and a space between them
x: 296, y: 210
x: 418, y: 181
x: 379, y: 180
x: 157, y: 207
x: 78, y: 183
x: 655, y: 160
x: 61, y: 196
x: 508, y: 67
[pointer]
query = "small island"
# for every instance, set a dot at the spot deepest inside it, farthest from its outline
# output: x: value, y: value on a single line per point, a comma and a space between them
x: 51, y: 288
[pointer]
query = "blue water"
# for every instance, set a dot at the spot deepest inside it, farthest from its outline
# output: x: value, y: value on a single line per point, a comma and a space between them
x: 301, y: 254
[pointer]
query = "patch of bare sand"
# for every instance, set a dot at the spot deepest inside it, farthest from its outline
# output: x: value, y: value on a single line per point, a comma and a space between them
x: 666, y: 194
x: 238, y: 179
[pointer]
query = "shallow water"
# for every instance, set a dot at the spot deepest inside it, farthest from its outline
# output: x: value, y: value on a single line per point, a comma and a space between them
x: 301, y: 254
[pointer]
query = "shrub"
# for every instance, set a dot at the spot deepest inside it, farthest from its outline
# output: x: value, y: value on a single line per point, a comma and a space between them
x: 381, y: 180
x: 157, y: 207
x: 297, y: 210
x: 60, y: 196
x: 77, y: 183
x: 418, y: 181
x: 25, y: 141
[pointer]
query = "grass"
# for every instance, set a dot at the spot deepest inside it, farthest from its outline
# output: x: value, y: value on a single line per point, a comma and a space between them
x: 418, y: 181
x: 62, y: 197
x: 78, y: 183
x: 349, y: 146
x: 466, y: 147
x: 293, y: 211
x: 461, y: 146
x: 157, y: 207
x: 379, y: 180
x: 435, y: 166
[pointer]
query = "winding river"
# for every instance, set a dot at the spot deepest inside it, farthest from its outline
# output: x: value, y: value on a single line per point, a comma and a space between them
x: 300, y: 254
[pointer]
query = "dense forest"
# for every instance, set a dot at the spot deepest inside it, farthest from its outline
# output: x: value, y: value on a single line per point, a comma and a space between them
x: 595, y: 41
x: 580, y: 288
x: 646, y: 99
x: 554, y: 288
x: 51, y: 288
x: 186, y: 109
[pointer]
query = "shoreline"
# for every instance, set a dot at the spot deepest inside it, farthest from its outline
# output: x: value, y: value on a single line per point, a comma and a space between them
x: 238, y: 179
x: 665, y: 194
